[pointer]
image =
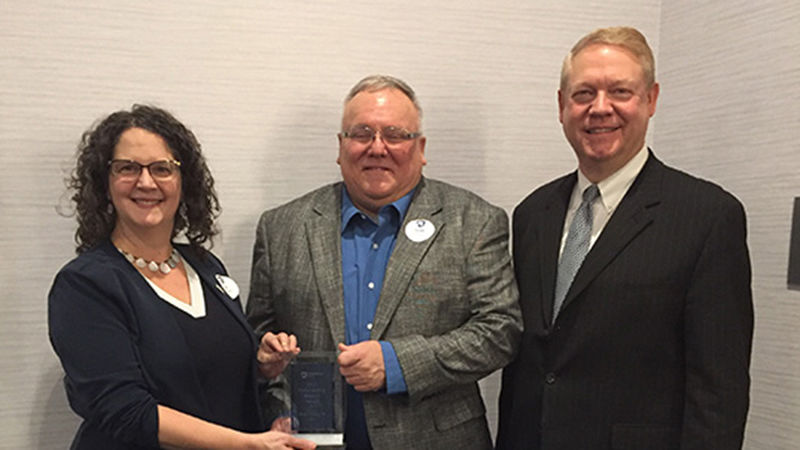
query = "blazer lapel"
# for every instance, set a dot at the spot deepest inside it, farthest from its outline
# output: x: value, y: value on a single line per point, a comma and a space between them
x: 323, y: 230
x: 407, y: 255
x: 634, y: 213
x: 551, y: 232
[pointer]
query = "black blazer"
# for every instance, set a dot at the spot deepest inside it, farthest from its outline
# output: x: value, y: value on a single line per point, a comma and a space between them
x: 651, y: 349
x: 122, y: 350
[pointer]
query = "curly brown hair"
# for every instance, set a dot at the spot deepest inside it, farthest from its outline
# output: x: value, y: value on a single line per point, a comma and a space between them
x: 96, y: 216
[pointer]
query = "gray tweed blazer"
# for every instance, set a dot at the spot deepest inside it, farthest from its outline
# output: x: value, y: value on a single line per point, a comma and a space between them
x: 449, y: 306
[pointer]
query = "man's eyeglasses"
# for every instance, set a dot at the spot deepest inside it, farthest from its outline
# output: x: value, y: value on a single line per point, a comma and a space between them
x: 130, y: 170
x: 389, y: 135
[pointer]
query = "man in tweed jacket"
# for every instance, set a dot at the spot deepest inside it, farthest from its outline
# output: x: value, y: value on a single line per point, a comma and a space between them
x: 408, y: 278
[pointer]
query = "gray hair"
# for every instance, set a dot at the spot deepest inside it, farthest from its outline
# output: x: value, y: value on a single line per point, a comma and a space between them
x: 374, y: 83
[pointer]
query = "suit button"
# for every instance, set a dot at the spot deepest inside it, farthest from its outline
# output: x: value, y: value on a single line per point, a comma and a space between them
x: 550, y: 378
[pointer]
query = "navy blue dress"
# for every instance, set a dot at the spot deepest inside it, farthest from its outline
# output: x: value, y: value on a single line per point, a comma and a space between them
x: 125, y: 350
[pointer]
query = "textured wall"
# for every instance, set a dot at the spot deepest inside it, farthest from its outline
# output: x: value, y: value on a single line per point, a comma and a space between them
x: 261, y: 84
x: 730, y: 79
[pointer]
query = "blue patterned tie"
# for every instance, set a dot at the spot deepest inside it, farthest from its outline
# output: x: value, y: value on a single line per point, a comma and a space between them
x: 575, y: 248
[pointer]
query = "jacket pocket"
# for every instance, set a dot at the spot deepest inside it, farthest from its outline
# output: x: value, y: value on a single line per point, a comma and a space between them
x: 645, y: 437
x: 456, y: 407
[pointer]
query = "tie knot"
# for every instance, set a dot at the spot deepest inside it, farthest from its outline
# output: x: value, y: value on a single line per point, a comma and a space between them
x: 590, y: 193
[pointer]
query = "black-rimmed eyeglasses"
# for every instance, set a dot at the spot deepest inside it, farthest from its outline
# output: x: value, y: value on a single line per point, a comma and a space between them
x: 159, y: 170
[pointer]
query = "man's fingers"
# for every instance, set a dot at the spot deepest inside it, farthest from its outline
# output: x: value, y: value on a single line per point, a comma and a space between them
x: 269, y: 342
x: 346, y: 359
x: 283, y: 340
x: 267, y: 357
x: 279, y: 343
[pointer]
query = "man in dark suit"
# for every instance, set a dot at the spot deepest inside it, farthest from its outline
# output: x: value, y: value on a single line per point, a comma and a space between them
x: 408, y: 277
x: 634, y: 281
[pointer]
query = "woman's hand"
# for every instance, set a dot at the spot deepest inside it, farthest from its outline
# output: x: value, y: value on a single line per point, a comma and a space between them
x: 177, y: 430
x: 276, y: 440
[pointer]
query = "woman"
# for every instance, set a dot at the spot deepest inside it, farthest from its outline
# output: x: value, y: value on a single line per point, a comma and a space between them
x: 156, y: 350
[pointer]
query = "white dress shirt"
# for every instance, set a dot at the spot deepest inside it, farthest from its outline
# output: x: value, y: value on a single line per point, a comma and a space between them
x: 612, y: 190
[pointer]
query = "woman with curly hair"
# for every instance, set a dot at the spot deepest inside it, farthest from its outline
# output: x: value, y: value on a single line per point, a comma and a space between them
x: 150, y: 332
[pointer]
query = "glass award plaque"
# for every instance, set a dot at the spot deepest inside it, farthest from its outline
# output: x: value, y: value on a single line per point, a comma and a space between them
x: 317, y: 398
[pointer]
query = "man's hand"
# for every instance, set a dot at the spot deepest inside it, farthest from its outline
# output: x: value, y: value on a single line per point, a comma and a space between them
x: 275, y: 352
x: 362, y: 365
x: 282, y: 424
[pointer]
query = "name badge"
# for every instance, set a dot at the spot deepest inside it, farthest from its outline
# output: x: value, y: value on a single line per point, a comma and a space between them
x: 419, y: 230
x: 228, y: 285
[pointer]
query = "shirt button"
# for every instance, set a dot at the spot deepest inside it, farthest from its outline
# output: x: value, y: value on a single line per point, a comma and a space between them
x: 369, y: 326
x: 371, y: 285
x: 550, y: 378
x: 374, y: 245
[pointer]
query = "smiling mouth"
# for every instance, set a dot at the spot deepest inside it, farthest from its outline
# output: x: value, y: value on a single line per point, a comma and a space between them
x: 601, y: 130
x: 144, y: 202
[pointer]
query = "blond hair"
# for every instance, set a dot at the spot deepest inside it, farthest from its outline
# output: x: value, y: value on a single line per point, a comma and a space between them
x: 628, y: 38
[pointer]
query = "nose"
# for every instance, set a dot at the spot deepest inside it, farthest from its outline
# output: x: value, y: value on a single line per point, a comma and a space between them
x: 377, y: 147
x: 145, y: 180
x: 601, y: 103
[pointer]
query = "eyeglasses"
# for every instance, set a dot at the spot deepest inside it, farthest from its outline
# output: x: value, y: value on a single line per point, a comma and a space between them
x: 391, y: 136
x: 130, y: 170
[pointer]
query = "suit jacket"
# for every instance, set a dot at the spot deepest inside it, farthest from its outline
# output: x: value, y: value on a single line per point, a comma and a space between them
x: 123, y: 351
x: 448, y: 306
x: 651, y: 349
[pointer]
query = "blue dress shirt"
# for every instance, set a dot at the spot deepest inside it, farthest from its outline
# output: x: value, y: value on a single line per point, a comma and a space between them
x: 366, y: 248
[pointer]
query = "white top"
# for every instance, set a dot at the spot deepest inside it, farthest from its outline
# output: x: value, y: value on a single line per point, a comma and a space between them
x: 612, y: 190
x: 197, y: 306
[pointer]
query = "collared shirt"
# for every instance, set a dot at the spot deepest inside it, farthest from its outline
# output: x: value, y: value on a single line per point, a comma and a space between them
x: 612, y: 190
x: 366, y: 248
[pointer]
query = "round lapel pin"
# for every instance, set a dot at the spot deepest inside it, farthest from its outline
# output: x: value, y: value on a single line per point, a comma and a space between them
x: 228, y: 285
x: 418, y: 230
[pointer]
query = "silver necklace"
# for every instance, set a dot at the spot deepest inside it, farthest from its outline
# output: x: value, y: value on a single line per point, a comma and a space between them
x: 164, y: 267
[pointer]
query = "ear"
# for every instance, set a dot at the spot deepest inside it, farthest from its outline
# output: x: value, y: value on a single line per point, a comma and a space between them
x: 652, y: 98
x: 339, y: 155
x: 421, y: 143
x: 560, y: 96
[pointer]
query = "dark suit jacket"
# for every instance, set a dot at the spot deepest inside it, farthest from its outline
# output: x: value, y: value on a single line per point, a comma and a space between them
x: 122, y: 350
x: 652, y: 347
x: 448, y: 305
